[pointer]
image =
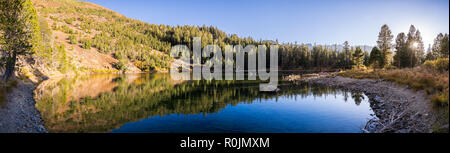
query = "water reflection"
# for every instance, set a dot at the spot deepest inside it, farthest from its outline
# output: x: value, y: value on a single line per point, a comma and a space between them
x: 102, y: 103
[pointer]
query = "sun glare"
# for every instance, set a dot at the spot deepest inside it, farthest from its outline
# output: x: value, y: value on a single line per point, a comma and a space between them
x: 415, y: 44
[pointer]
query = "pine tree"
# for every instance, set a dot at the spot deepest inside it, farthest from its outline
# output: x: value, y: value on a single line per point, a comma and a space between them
x: 20, y: 32
x: 419, y: 49
x: 437, y: 47
x: 376, y: 58
x: 444, y: 46
x: 401, y: 50
x: 347, y: 55
x: 414, y: 47
x: 358, y: 58
x: 430, y: 55
x: 385, y: 43
x: 366, y: 58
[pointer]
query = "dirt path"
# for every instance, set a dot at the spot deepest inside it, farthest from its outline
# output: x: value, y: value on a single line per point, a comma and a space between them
x: 399, y: 109
x: 18, y: 114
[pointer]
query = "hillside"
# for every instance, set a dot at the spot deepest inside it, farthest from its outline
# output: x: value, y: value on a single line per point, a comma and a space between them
x: 84, y: 37
x: 81, y: 37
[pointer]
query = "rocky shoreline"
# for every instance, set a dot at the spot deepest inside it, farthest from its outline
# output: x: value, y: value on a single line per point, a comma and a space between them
x: 399, y: 109
x: 19, y: 114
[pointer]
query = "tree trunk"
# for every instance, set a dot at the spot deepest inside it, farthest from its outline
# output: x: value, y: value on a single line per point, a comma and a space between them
x: 9, y: 68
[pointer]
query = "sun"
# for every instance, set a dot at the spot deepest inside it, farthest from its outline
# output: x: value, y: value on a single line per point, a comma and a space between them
x: 415, y: 44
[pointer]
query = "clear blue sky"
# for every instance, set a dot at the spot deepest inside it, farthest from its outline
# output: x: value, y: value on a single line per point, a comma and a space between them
x: 304, y: 21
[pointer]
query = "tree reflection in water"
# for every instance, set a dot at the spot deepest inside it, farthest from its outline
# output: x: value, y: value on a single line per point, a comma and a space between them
x: 100, y: 103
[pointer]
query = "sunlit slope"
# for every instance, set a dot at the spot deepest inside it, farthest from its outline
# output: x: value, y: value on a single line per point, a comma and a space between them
x: 99, y: 39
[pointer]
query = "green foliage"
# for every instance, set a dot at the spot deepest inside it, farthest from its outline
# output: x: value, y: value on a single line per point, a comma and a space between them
x: 376, y: 58
x: 66, y: 29
x: 20, y: 31
x: 319, y: 57
x: 410, y: 49
x: 54, y: 18
x: 121, y: 65
x: 440, y: 47
x: 72, y: 39
x: 64, y: 65
x: 86, y: 43
x: 441, y: 64
x: 440, y: 99
x: 69, y: 20
x: 46, y: 52
x: 358, y: 58
x: 384, y: 44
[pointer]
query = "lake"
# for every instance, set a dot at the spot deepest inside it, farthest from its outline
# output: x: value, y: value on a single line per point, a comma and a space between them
x: 154, y: 103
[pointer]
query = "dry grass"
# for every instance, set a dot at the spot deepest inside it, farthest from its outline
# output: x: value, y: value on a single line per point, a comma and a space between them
x: 435, y: 83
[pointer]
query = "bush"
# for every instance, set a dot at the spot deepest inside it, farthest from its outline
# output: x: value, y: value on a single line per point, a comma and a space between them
x: 440, y: 99
x: 121, y: 65
x: 69, y: 20
x: 66, y: 29
x: 440, y: 64
x: 429, y: 65
x: 86, y: 43
x: 72, y: 39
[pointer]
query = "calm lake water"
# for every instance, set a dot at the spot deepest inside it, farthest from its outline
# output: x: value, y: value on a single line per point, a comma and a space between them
x: 154, y: 103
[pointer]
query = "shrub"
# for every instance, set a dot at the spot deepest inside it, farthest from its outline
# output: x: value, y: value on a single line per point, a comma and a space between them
x: 121, y: 65
x: 429, y: 65
x: 54, y: 18
x: 440, y: 99
x: 440, y: 64
x: 66, y: 29
x: 72, y: 39
x: 86, y: 43
x: 69, y: 20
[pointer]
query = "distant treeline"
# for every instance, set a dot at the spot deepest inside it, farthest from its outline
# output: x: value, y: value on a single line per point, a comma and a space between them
x: 134, y: 40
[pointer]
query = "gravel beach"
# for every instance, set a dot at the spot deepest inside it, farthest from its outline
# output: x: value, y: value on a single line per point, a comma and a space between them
x: 18, y: 114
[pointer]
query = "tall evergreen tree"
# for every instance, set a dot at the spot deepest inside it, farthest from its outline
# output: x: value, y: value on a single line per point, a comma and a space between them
x: 419, y: 49
x: 437, y: 47
x: 429, y: 55
x: 401, y: 50
x: 366, y: 58
x: 347, y: 55
x: 358, y: 58
x: 376, y: 58
x: 414, y: 47
x: 385, y: 43
x: 445, y: 46
x: 20, y: 32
